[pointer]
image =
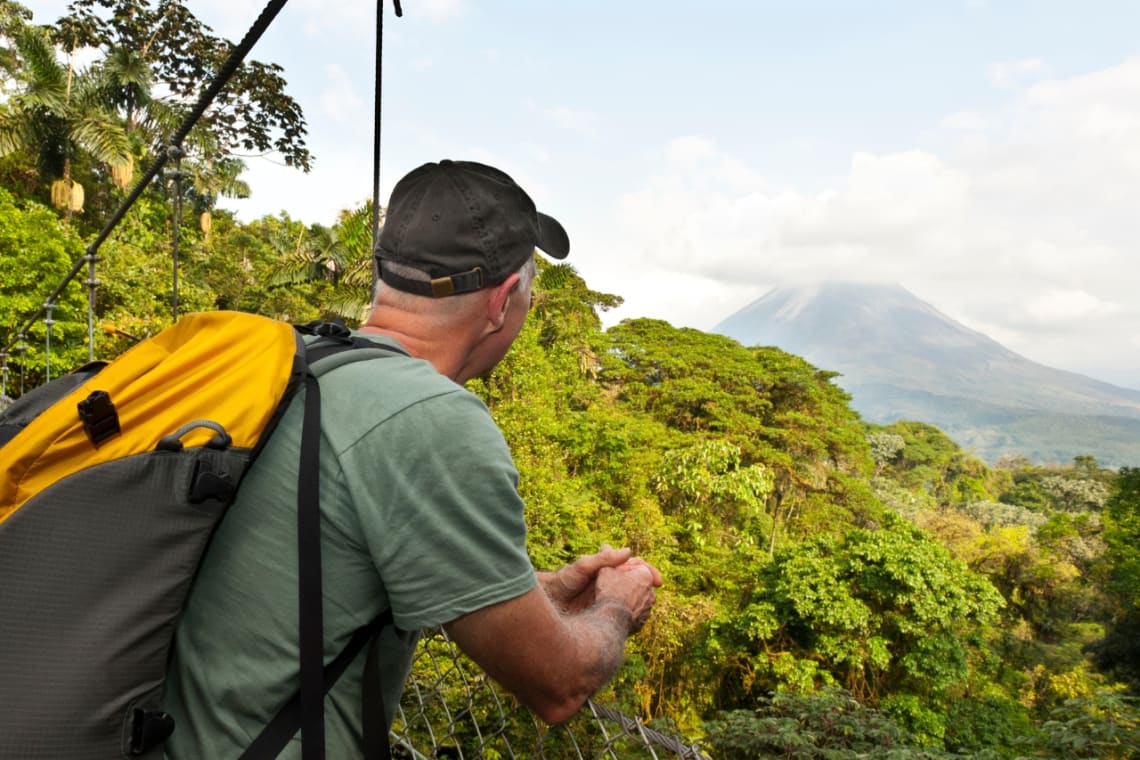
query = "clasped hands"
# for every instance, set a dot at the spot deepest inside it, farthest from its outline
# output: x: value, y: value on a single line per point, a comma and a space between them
x: 609, y: 576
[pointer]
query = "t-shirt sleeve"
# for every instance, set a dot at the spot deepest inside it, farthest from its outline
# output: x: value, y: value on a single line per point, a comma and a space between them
x: 436, y: 494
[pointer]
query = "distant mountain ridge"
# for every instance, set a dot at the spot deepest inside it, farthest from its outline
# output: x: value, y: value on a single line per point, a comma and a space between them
x: 901, y: 358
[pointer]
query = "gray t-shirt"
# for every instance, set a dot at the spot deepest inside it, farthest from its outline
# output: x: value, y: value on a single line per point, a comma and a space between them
x: 419, y: 512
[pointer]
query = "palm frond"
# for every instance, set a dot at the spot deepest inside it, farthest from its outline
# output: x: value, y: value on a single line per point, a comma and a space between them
x: 295, y: 272
x: 348, y: 306
x: 45, y: 79
x: 125, y: 68
x: 14, y: 132
x: 101, y: 135
x: 355, y: 231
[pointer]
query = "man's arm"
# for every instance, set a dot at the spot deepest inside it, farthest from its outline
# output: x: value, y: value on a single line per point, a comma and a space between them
x: 553, y: 659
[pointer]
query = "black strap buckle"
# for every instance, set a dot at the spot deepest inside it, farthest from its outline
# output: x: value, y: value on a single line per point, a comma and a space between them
x: 149, y: 728
x: 100, y: 418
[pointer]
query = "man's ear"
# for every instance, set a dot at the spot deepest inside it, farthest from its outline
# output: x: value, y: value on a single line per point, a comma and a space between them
x: 500, y: 300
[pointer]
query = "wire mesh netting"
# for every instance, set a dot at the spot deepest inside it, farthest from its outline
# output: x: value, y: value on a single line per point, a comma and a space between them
x: 451, y: 709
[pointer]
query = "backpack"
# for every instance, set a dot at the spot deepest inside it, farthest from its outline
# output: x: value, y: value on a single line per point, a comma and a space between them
x: 112, y: 480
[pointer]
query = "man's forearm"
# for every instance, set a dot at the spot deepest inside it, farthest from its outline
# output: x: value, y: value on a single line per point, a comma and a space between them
x: 607, y: 624
x: 599, y: 632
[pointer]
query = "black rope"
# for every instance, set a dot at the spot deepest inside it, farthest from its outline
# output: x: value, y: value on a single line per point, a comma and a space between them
x: 49, y: 307
x: 176, y: 219
x: 22, y: 350
x: 376, y: 119
x: 92, y: 282
x: 221, y: 79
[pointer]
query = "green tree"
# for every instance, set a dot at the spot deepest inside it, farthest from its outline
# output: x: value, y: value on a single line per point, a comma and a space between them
x: 59, y: 115
x: 829, y: 725
x: 883, y: 613
x: 778, y: 409
x: 1121, y: 649
x: 341, y: 256
x: 238, y: 264
x: 36, y: 251
x: 1027, y: 493
x: 1105, y: 725
x: 931, y: 463
x: 252, y: 114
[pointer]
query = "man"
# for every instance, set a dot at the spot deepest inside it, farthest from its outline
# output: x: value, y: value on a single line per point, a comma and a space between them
x: 419, y: 507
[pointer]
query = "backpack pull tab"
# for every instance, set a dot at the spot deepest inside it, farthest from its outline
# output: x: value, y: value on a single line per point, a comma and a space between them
x: 100, y: 418
x: 149, y: 728
x: 173, y: 442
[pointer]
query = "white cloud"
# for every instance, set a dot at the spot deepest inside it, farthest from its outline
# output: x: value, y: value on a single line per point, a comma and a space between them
x: 965, y: 121
x: 1027, y: 231
x: 1063, y: 306
x: 438, y: 10
x: 536, y: 153
x: 584, y: 122
x: 691, y: 218
x: 340, y: 101
x: 689, y: 151
x: 1101, y: 105
x: 1007, y: 75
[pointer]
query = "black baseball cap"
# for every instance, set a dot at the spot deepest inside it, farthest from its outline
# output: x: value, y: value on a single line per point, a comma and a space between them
x: 466, y: 225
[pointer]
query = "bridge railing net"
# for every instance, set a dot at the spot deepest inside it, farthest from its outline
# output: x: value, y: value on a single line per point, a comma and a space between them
x: 451, y: 709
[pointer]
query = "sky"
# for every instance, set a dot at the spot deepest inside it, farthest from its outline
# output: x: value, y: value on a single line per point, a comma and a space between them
x: 984, y: 154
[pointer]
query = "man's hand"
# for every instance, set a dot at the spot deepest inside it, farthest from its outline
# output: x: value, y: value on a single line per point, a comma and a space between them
x: 629, y: 585
x: 557, y: 644
x: 572, y: 588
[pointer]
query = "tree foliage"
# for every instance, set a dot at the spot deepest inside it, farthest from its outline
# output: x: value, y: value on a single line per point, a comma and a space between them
x: 36, y: 252
x: 59, y: 116
x: 252, y: 114
x: 1120, y: 650
x: 828, y: 725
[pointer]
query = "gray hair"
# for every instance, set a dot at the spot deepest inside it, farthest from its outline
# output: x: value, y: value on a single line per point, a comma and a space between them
x: 527, y: 272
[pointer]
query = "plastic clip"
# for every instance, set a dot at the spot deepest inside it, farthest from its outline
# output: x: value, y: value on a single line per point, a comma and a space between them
x: 99, y: 416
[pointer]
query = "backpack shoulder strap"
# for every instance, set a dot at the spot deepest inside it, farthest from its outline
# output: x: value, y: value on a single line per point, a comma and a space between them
x: 331, y: 343
x: 332, y: 347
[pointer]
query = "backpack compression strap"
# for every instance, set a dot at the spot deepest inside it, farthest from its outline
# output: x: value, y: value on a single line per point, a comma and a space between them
x: 283, y: 727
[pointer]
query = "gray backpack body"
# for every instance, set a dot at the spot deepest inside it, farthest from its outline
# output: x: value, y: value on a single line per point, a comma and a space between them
x: 112, y: 480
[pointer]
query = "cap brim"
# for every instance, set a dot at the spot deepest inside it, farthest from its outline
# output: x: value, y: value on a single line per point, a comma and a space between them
x: 552, y: 238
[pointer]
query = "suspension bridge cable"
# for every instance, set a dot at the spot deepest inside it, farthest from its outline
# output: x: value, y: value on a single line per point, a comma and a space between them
x: 376, y: 119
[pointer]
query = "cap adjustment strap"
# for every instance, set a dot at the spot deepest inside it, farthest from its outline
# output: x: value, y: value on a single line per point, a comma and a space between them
x: 440, y: 287
x: 464, y: 282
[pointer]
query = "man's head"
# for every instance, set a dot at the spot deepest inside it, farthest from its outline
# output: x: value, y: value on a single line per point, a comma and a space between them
x: 465, y: 226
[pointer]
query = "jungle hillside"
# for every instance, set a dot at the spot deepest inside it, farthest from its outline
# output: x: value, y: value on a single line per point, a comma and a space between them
x: 834, y: 588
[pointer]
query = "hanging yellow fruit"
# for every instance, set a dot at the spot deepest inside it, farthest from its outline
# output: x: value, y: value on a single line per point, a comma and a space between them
x: 75, y: 200
x: 59, y: 193
x: 63, y: 196
x: 122, y: 174
x: 206, y: 223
